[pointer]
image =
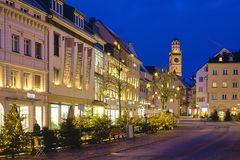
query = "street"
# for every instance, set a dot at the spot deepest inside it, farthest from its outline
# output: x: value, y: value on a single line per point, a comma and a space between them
x: 193, y: 140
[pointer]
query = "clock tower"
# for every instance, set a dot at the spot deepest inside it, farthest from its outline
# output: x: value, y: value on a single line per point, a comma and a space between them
x: 175, y: 58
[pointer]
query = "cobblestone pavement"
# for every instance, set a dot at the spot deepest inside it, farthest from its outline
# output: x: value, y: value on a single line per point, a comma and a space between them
x: 192, y: 140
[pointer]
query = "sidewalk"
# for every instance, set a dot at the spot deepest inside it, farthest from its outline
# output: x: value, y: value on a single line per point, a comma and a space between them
x: 98, y: 150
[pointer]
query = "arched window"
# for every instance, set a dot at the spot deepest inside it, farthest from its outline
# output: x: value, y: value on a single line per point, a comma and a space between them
x: 1, y: 116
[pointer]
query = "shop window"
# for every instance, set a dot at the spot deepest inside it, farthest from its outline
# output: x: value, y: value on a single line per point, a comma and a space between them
x: 54, y: 116
x: 24, y: 114
x: 64, y: 111
x: 38, y: 115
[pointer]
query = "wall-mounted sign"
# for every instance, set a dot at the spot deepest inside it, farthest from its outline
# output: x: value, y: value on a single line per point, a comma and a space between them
x: 31, y: 95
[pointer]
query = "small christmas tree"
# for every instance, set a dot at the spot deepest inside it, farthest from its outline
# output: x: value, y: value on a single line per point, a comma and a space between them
x: 13, y: 139
x: 228, y: 116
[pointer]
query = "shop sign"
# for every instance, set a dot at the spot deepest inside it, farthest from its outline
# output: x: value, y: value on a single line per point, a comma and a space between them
x: 31, y: 95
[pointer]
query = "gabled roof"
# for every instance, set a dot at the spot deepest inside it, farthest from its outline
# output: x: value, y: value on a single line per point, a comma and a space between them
x: 225, y: 56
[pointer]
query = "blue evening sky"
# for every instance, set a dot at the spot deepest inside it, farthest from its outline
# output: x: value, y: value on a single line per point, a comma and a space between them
x: 203, y: 26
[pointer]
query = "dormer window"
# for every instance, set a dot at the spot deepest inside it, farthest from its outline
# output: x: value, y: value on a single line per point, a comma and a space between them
x: 79, y: 21
x: 57, y: 6
x: 220, y: 59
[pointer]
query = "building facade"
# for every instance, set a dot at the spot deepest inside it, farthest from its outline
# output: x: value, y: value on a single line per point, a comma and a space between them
x: 71, y: 62
x: 202, y: 104
x: 223, y: 82
x: 122, y: 71
x: 24, y: 62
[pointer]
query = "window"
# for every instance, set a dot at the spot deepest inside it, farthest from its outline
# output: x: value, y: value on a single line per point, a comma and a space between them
x: 99, y: 62
x: 54, y: 116
x: 38, y: 115
x: 200, y: 79
x: 79, y: 21
x: 214, y: 96
x: 56, y: 44
x: 15, y: 43
x: 64, y: 111
x: 24, y: 10
x: 14, y: 79
x: 214, y: 72
x: 235, y: 71
x: 37, y: 82
x: 235, y: 85
x: 24, y: 113
x: 234, y: 97
x: 27, y: 47
x: 57, y: 7
x: 37, y: 16
x: 10, y: 3
x: 214, y: 84
x: 224, y: 71
x: 56, y: 77
x: 201, y: 99
x: 224, y: 84
x: 26, y: 81
x: 38, y: 50
x: 224, y: 97
x: 220, y: 59
x: 200, y: 89
x: 206, y: 69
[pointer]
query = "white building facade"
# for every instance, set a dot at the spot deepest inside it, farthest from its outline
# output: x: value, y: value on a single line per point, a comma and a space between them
x: 202, y: 91
x: 23, y: 62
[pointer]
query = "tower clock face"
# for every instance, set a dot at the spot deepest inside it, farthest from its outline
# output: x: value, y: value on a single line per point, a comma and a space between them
x: 176, y: 60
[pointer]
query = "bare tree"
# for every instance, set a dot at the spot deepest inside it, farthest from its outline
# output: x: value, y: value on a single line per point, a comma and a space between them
x: 115, y: 82
x: 164, y: 87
